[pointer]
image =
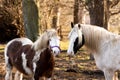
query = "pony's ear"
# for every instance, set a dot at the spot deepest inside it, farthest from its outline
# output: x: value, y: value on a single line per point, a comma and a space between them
x: 57, y: 29
x: 72, y: 25
x: 79, y: 26
x: 44, y: 30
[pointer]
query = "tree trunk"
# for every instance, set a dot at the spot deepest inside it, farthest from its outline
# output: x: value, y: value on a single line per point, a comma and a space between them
x: 78, y: 9
x: 56, y: 15
x: 30, y: 15
x: 97, y: 13
x: 106, y: 14
x: 54, y: 22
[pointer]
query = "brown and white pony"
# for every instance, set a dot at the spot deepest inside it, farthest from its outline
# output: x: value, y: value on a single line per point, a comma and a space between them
x: 104, y: 45
x: 34, y: 60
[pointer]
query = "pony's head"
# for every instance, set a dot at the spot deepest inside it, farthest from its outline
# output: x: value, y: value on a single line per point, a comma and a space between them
x: 76, y: 39
x: 54, y: 41
x: 48, y: 39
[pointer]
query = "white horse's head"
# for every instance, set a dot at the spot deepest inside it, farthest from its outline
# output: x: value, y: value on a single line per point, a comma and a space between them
x: 76, y: 39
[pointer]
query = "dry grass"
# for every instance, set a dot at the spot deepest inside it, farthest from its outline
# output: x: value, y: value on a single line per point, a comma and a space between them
x: 2, y: 46
x: 64, y: 44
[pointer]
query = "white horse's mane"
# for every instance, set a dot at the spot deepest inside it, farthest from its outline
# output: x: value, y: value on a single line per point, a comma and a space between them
x: 97, y: 36
x: 42, y: 41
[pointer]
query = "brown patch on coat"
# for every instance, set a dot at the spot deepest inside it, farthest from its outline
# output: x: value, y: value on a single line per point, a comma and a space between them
x: 45, y: 65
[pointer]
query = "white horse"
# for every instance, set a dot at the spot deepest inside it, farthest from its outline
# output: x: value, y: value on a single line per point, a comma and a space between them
x: 105, y: 47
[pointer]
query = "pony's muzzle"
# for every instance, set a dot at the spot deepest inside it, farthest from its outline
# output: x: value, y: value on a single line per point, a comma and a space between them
x: 56, y: 50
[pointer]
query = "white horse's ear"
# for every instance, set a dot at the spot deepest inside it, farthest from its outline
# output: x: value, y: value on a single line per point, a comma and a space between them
x: 79, y: 26
x: 72, y: 25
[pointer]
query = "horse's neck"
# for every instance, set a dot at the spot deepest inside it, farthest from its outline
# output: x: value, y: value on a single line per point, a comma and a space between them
x: 95, y: 37
x: 41, y: 43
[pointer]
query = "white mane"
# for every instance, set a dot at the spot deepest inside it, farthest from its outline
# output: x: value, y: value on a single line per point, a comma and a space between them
x: 43, y: 40
x: 95, y: 36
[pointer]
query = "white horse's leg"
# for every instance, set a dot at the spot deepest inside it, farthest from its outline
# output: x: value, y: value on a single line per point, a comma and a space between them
x: 109, y: 74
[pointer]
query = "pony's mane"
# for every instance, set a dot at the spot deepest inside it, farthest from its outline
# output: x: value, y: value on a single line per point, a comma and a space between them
x: 43, y: 41
x: 96, y: 36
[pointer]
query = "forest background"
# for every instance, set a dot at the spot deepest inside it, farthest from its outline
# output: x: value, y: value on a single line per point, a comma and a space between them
x: 31, y: 17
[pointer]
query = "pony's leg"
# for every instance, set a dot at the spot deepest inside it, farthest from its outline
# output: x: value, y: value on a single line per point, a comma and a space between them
x: 21, y: 76
x: 44, y: 78
x: 18, y: 76
x: 109, y: 74
x: 48, y: 78
x: 31, y: 78
x: 8, y: 75
x: 36, y: 77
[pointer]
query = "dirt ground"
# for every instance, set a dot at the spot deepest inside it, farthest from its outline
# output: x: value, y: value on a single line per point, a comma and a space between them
x: 79, y: 67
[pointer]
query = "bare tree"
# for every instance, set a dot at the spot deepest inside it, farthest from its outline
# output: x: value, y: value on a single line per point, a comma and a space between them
x: 96, y: 11
x: 108, y: 4
x: 99, y: 11
x: 78, y: 11
x: 56, y: 14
